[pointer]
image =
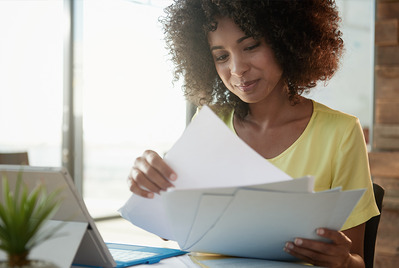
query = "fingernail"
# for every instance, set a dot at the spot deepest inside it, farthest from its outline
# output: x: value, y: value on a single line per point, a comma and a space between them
x: 320, y: 231
x: 289, y: 245
x: 150, y: 195
x: 298, y: 242
x: 173, y: 177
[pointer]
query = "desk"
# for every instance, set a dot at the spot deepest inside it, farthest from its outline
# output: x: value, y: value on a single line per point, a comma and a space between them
x: 121, y: 231
x: 175, y: 262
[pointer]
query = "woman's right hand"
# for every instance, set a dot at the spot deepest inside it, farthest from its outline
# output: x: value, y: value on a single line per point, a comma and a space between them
x: 150, y: 174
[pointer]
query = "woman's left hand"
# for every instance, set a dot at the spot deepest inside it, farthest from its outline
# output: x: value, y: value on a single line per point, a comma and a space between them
x: 334, y: 254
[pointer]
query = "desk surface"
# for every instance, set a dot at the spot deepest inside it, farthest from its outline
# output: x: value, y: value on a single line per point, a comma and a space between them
x: 121, y: 231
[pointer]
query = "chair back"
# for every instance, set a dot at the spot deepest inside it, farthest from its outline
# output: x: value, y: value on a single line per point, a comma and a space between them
x: 370, y: 233
x: 14, y: 158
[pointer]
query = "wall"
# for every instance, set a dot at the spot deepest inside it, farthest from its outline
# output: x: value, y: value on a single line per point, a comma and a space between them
x: 384, y: 158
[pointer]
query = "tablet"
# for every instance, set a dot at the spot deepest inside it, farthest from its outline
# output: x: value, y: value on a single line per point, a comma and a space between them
x: 92, y: 251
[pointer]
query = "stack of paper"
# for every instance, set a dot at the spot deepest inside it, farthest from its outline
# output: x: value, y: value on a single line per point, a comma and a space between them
x: 230, y: 200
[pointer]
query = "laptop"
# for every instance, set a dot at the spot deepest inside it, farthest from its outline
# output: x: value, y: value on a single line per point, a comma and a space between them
x: 83, y: 243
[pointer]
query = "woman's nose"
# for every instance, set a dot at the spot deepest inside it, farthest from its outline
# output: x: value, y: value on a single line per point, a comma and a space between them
x: 238, y: 66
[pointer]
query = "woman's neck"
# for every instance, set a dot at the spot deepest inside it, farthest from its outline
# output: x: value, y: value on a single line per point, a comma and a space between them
x: 276, y: 109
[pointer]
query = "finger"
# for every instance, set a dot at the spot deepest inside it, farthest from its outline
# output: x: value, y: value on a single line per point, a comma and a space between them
x: 151, y: 173
x: 338, y: 242
x: 313, y: 246
x: 142, y: 181
x: 307, y: 255
x: 134, y: 188
x: 291, y: 249
x: 156, y: 161
x: 336, y: 237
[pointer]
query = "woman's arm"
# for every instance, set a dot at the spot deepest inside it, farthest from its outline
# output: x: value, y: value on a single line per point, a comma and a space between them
x: 356, y: 235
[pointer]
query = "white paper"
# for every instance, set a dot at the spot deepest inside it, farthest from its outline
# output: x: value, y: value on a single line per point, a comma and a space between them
x: 210, y: 155
x: 249, y: 263
x: 299, y: 185
x: 257, y: 223
x: 148, y: 214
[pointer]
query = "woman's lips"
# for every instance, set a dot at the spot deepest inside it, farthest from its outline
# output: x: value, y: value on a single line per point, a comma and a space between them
x: 247, y: 86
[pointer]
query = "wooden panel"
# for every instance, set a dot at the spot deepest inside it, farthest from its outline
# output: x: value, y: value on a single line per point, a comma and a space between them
x: 387, y: 32
x: 391, y: 203
x: 386, y: 137
x: 385, y: 261
x: 390, y: 185
x: 384, y: 168
x: 382, y: 143
x: 387, y: 82
x: 387, y: 243
x: 388, y: 55
x: 387, y: 10
x: 14, y: 158
x: 387, y: 130
x: 387, y: 237
x: 384, y: 164
x: 386, y: 111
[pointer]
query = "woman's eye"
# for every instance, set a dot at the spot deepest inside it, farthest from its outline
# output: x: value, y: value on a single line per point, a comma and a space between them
x: 221, y: 58
x: 252, y: 47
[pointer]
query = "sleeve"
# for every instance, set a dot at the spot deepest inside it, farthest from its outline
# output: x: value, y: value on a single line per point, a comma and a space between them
x: 352, y: 172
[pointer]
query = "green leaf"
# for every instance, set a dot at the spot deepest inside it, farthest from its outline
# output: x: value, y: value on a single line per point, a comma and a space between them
x: 23, y: 213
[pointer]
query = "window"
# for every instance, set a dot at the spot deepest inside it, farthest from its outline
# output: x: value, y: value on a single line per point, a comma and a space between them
x: 351, y: 89
x: 122, y: 85
x: 31, y: 67
x: 129, y: 102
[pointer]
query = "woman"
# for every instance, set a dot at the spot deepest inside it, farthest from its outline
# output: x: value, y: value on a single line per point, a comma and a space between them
x: 251, y: 61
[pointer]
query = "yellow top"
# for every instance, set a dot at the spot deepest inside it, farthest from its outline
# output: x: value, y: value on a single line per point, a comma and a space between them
x: 332, y: 149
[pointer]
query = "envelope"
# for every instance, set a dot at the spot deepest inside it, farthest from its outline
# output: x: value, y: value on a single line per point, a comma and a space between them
x: 253, y: 222
x: 250, y: 221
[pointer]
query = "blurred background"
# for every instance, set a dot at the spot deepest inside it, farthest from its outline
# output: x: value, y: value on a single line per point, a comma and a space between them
x: 87, y: 84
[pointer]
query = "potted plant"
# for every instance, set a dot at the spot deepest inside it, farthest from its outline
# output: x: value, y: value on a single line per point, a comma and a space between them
x: 22, y: 216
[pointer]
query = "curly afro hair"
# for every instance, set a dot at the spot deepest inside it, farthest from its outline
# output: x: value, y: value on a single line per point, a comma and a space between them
x: 304, y: 35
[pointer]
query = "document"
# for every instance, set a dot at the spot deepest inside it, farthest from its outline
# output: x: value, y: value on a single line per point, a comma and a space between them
x: 212, y: 261
x: 254, y: 223
x: 230, y: 200
x: 210, y: 155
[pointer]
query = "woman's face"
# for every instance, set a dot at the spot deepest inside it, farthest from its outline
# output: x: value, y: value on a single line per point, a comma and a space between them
x: 247, y: 67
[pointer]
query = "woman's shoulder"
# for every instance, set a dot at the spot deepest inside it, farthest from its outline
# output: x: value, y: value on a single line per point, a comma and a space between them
x: 324, y: 113
x: 332, y: 122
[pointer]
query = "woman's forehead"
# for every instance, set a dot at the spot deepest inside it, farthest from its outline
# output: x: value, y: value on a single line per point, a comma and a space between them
x: 225, y: 29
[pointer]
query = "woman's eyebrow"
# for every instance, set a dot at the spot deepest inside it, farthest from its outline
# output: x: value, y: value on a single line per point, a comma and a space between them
x: 238, y: 41
x: 216, y: 47
x: 242, y: 39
